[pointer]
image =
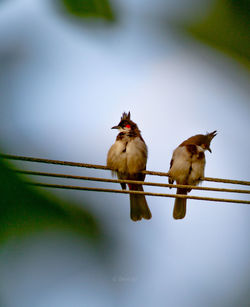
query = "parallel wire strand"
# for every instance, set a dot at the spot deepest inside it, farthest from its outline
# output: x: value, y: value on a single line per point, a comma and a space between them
x: 78, y: 164
x: 59, y: 186
x: 165, y: 185
x: 31, y: 159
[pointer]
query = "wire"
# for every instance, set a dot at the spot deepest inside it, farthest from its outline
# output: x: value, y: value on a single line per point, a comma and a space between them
x: 47, y: 185
x: 165, y: 185
x: 78, y: 164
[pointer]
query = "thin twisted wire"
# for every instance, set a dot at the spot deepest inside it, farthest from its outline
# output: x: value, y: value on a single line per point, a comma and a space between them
x: 165, y: 185
x: 78, y: 164
x: 68, y: 187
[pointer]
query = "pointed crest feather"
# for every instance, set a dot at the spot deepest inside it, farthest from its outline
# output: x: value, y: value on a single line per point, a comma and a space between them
x: 212, y: 135
x: 125, y: 116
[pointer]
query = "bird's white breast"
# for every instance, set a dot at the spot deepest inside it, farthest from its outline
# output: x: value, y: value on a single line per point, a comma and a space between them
x: 116, y: 159
x: 181, y: 165
x: 187, y: 168
x: 127, y: 156
x: 136, y: 155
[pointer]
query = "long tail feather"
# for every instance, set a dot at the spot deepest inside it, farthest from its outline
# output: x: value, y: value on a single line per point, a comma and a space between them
x: 180, y: 205
x: 138, y: 205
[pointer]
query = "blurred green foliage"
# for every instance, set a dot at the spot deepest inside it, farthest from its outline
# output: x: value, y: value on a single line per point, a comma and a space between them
x: 23, y: 211
x: 88, y: 8
x: 227, y: 28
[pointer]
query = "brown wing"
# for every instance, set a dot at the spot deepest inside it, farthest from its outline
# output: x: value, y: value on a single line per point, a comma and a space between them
x: 170, y: 180
x: 196, y: 139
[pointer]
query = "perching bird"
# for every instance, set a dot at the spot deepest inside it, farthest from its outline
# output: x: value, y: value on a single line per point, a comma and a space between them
x: 187, y: 167
x: 128, y: 157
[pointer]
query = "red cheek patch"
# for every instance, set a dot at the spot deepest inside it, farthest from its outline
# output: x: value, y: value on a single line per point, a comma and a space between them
x: 128, y: 126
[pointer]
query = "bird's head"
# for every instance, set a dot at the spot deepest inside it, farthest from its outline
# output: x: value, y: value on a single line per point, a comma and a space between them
x: 206, y: 140
x: 126, y: 124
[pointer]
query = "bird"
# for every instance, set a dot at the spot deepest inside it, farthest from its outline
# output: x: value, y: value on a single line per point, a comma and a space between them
x: 187, y: 167
x: 127, y: 158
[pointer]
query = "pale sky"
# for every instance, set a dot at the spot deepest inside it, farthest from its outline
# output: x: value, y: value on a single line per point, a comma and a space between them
x: 63, y: 87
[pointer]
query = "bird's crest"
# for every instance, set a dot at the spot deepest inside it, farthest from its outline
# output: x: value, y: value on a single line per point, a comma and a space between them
x: 125, y: 116
x: 211, y: 135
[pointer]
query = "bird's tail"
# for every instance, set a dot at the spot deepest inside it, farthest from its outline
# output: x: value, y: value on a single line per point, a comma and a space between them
x: 138, y: 205
x: 180, y: 205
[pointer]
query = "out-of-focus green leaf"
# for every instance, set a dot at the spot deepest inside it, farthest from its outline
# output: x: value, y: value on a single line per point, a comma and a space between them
x: 227, y: 28
x: 88, y: 8
x: 24, y: 211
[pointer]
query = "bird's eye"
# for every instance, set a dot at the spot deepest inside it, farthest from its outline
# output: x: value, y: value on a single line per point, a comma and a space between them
x: 128, y: 126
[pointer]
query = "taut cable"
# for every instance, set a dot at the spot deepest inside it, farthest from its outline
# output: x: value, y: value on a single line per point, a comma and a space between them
x: 163, y: 185
x: 78, y: 164
x: 68, y: 187
x: 97, y: 179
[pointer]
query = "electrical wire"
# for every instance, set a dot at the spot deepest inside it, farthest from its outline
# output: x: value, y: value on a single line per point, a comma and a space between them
x: 155, y: 184
x: 60, y: 186
x: 164, y: 185
x: 78, y: 164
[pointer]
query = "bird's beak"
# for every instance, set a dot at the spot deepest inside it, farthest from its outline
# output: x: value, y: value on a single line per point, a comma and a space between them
x: 115, y: 127
x: 209, y: 149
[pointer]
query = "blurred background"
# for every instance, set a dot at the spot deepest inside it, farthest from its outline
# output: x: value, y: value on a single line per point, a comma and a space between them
x: 68, y: 69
